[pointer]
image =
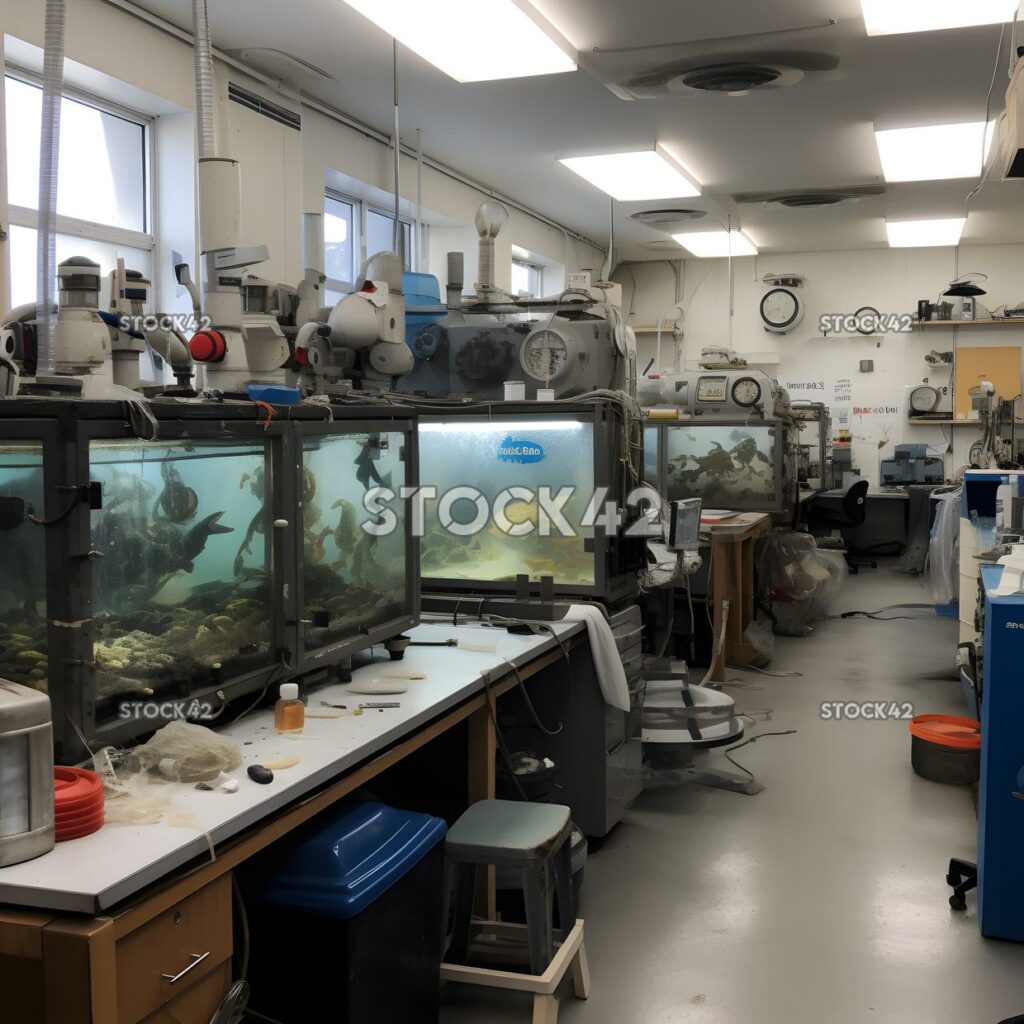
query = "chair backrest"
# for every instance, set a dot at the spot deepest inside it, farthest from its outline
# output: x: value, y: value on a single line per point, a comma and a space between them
x: 855, y: 502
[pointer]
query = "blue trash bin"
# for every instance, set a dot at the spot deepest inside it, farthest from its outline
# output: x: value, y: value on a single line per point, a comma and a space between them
x: 346, y: 922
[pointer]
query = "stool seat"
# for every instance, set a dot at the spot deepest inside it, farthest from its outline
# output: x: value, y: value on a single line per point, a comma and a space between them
x: 508, y: 833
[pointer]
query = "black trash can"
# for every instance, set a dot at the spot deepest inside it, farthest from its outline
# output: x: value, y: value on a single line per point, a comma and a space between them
x: 346, y: 924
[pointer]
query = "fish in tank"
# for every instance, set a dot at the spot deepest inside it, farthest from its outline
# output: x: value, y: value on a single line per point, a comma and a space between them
x: 492, y: 456
x: 352, y: 578
x: 23, y: 639
x: 729, y: 466
x: 182, y: 570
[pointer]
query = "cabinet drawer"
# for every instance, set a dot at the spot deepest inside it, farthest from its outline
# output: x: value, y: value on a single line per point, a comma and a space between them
x: 198, y: 1004
x: 172, y: 944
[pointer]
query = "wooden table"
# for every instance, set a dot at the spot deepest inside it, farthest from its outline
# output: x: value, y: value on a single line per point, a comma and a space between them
x: 732, y: 588
x: 113, y: 966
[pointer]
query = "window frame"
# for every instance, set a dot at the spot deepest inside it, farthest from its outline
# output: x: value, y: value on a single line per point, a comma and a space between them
x: 361, y: 209
x: 26, y: 217
x: 532, y: 268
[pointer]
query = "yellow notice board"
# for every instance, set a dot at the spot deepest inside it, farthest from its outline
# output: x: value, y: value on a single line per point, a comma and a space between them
x: 998, y: 363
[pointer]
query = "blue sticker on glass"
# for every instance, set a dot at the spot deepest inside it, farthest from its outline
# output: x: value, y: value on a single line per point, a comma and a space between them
x: 521, y: 451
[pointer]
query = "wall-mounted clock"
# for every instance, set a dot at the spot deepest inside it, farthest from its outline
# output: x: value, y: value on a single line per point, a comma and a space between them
x: 782, y: 309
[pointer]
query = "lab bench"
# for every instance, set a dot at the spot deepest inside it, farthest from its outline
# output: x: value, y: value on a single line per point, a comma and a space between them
x: 133, y: 924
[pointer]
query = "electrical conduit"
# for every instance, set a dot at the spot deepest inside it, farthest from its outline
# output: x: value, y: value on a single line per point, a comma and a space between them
x: 49, y: 153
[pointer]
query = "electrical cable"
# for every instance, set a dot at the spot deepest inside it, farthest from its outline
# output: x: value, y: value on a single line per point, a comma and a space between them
x: 500, y: 740
x: 988, y: 106
x: 747, y: 742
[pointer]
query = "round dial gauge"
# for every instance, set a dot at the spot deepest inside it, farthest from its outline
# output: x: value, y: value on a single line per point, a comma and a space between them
x: 746, y: 391
x: 781, y: 310
x: 544, y: 355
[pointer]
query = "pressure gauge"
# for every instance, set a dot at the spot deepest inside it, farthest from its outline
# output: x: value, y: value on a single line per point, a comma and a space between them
x: 711, y: 389
x: 781, y: 310
x: 746, y: 392
x: 544, y: 355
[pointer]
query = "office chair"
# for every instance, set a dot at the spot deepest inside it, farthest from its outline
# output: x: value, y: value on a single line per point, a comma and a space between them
x: 851, y: 513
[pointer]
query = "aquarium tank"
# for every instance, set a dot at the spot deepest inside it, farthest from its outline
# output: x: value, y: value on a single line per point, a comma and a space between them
x: 493, y: 455
x: 23, y: 647
x: 353, y: 578
x: 729, y: 466
x: 652, y: 454
x: 183, y: 564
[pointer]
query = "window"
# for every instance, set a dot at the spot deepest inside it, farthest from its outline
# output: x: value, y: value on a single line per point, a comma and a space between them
x: 354, y: 230
x: 103, y: 201
x: 528, y: 278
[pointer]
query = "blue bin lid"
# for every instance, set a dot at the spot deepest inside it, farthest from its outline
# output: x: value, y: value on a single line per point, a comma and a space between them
x: 344, y: 866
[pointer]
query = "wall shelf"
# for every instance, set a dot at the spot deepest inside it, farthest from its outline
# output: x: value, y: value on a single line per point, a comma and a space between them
x: 989, y: 322
x: 924, y: 421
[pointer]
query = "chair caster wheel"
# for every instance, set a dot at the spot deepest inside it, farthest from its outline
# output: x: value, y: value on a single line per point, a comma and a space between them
x: 958, y: 902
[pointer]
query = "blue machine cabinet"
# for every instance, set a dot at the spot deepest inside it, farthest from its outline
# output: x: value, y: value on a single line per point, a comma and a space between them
x: 1001, y: 795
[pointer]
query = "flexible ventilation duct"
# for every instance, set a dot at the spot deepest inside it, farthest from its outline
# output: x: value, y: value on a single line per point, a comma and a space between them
x: 202, y: 56
x: 49, y: 153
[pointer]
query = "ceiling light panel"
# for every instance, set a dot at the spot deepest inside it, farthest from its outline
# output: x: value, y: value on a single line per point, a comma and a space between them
x: 651, y: 174
x: 474, y: 40
x: 934, y: 152
x: 918, y: 233
x: 716, y: 243
x: 890, y: 17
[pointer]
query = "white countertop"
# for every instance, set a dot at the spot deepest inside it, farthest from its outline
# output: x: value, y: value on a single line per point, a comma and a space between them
x: 91, y: 874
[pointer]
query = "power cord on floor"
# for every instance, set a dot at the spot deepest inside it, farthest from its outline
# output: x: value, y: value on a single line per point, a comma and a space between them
x: 745, y: 743
x: 880, y: 615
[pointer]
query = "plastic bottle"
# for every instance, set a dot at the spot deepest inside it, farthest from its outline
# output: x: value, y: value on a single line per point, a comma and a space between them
x: 289, y: 711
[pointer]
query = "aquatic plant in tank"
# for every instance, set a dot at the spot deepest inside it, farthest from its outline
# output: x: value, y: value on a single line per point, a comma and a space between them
x: 729, y: 466
x: 23, y: 628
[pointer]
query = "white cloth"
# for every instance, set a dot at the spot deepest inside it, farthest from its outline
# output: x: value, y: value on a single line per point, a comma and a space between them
x: 607, y: 660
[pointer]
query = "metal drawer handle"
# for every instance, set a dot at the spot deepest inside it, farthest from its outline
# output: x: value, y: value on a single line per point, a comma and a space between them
x: 197, y: 959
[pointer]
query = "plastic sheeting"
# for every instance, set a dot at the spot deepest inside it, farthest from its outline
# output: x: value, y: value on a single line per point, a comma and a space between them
x: 799, y: 580
x: 943, y: 565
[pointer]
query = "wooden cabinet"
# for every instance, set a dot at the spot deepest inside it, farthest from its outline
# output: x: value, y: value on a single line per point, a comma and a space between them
x: 174, y: 951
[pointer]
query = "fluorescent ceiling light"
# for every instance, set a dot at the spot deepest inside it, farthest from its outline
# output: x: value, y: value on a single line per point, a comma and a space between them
x: 935, y: 151
x: 913, y: 233
x: 716, y: 243
x: 889, y: 17
x: 474, y: 40
x: 652, y: 174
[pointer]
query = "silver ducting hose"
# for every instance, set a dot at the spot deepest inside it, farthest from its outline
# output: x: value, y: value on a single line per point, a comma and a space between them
x: 49, y: 153
x: 202, y: 56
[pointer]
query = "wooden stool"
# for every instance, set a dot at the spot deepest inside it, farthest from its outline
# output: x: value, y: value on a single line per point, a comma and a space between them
x: 533, y: 838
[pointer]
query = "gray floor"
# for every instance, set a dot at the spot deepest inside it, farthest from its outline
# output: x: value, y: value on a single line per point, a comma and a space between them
x: 823, y: 899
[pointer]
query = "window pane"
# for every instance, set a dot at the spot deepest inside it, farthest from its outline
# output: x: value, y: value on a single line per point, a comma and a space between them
x: 339, y: 240
x: 526, y: 278
x: 102, y: 173
x: 23, y: 261
x: 380, y: 235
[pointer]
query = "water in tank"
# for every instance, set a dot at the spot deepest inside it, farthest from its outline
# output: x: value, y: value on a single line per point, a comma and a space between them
x: 183, y: 564
x: 652, y: 453
x: 730, y: 466
x: 354, y: 549
x: 491, y: 457
x: 23, y: 646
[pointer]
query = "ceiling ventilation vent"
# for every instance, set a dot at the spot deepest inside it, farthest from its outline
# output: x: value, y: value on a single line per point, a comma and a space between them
x: 730, y: 65
x: 282, y: 115
x: 810, y: 198
x: 666, y: 218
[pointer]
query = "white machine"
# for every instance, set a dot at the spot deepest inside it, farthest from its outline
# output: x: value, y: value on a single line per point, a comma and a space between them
x: 683, y: 721
x: 717, y: 393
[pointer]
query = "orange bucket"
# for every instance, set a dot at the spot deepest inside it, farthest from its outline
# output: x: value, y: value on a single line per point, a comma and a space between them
x: 945, y: 748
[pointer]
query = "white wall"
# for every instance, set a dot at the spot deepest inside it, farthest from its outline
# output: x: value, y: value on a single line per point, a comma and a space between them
x: 891, y: 280
x: 283, y: 171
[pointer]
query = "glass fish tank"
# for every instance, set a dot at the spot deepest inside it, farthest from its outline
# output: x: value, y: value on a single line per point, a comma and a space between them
x: 494, y: 478
x: 207, y: 564
x: 354, y: 549
x: 182, y: 565
x: 736, y: 465
x: 24, y: 649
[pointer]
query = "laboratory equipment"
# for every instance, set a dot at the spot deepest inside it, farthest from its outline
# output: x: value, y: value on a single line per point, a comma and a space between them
x: 815, y: 467
x: 684, y: 525
x: 513, y: 453
x: 201, y: 566
x: 26, y: 774
x: 911, y: 464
